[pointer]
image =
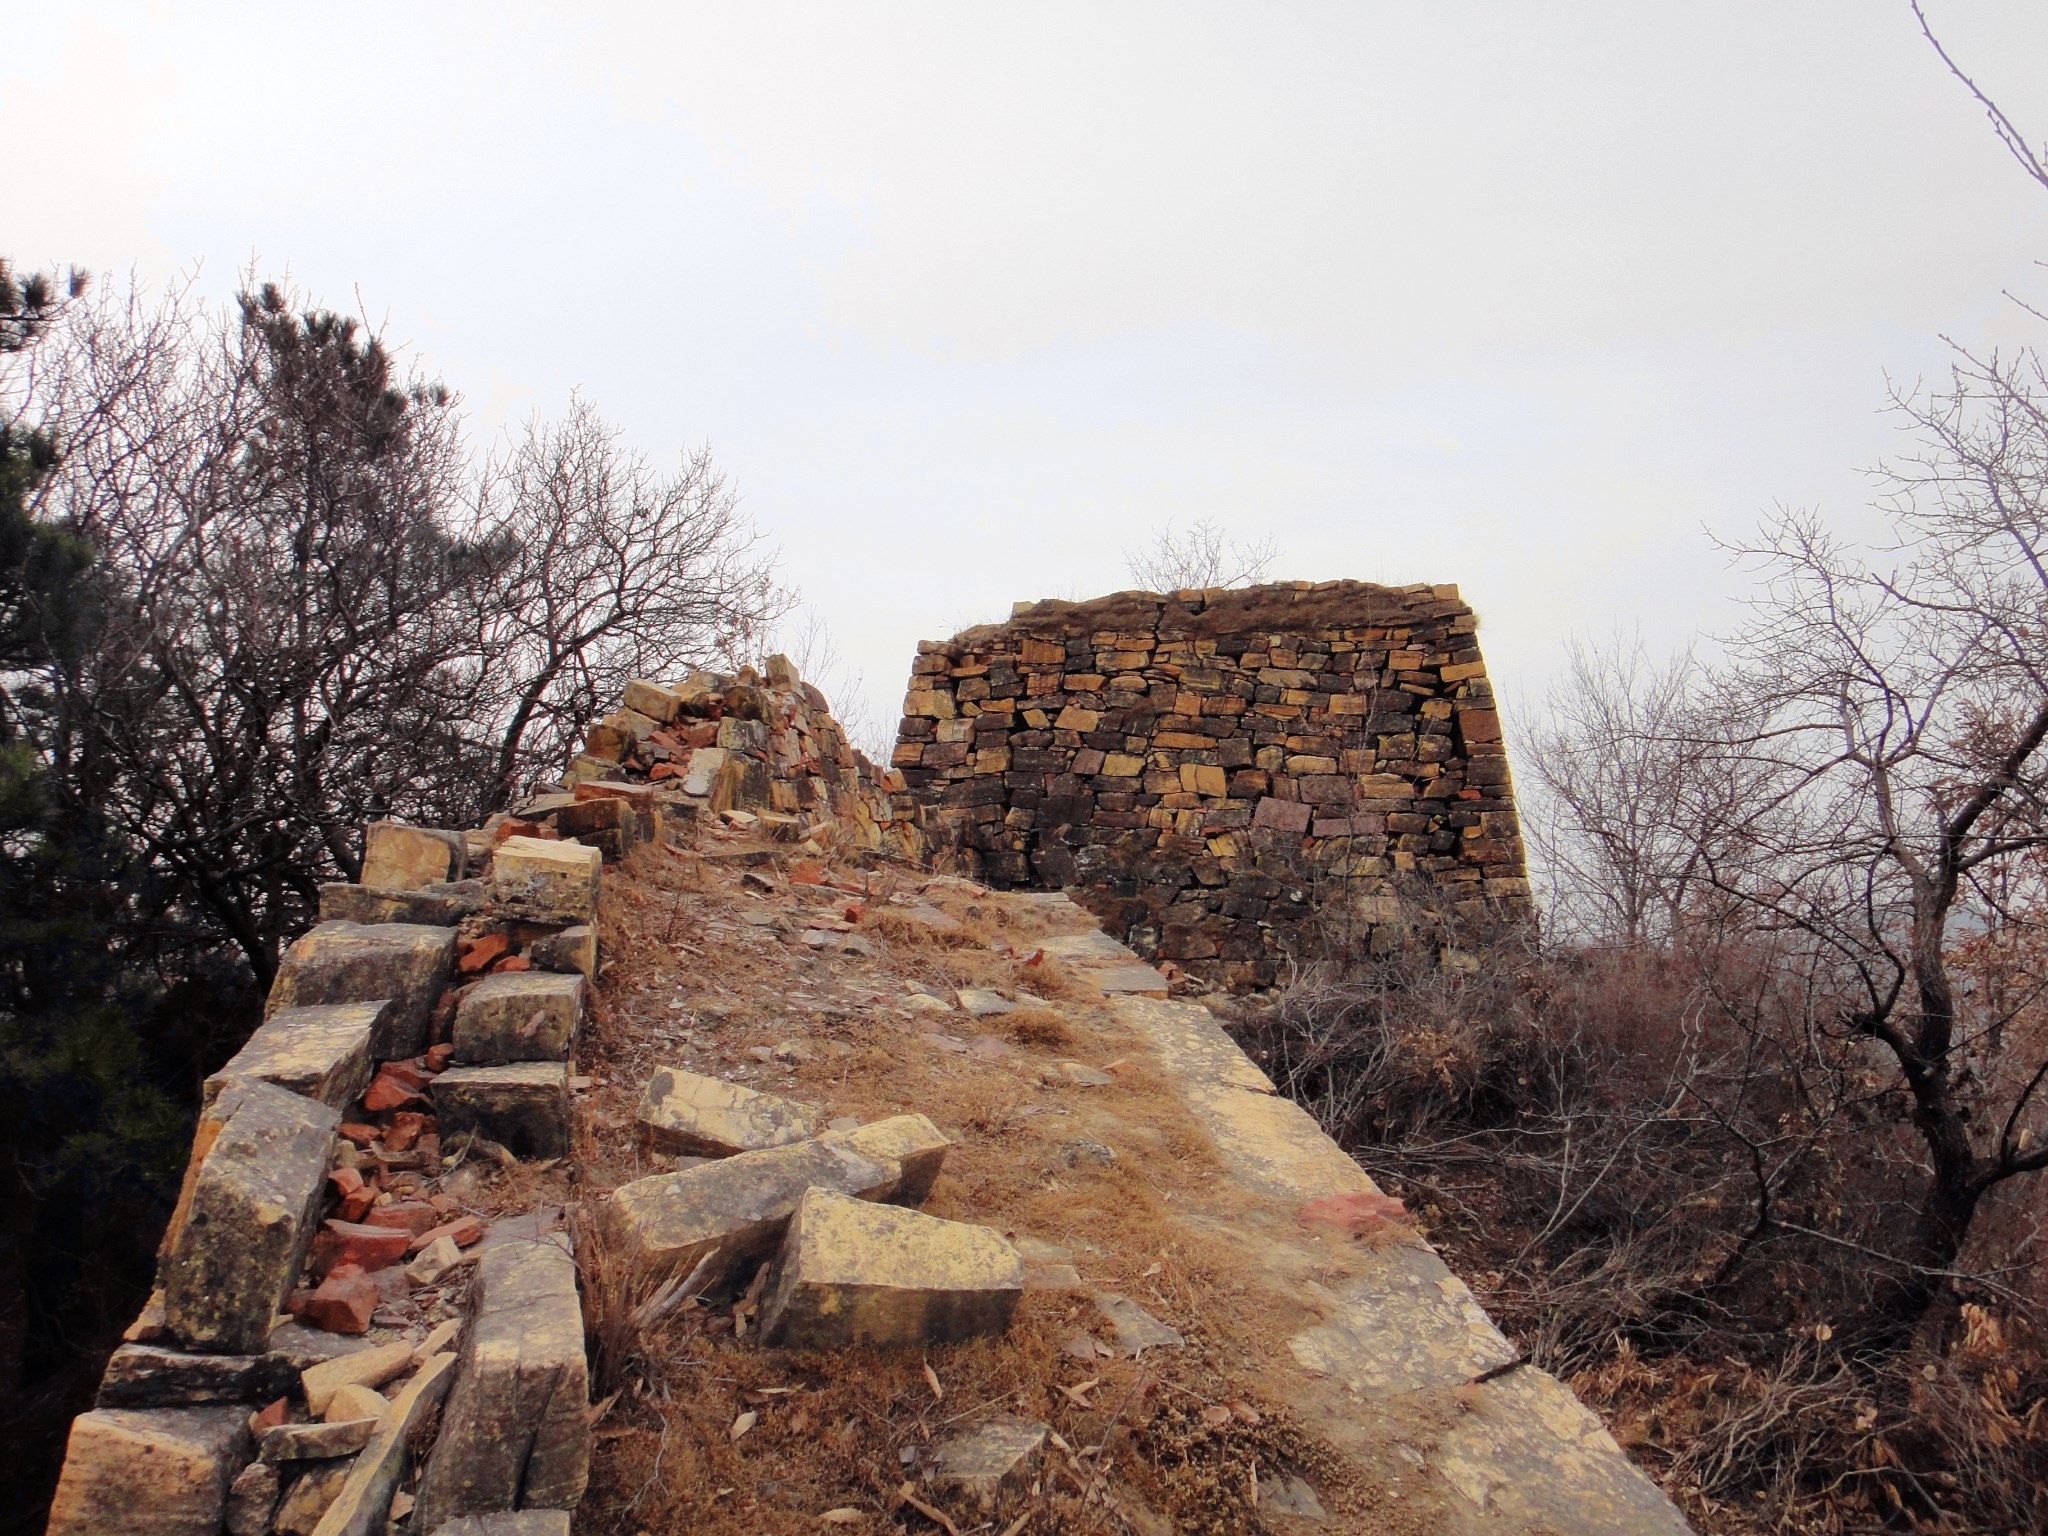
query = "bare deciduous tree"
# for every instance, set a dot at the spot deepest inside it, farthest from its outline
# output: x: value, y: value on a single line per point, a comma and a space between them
x: 605, y: 570
x: 1203, y: 556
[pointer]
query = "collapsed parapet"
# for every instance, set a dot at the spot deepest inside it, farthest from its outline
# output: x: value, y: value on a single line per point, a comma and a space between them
x: 766, y: 745
x: 1205, y: 769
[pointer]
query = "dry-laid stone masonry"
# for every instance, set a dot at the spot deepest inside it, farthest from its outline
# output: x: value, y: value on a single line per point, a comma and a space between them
x: 1205, y: 769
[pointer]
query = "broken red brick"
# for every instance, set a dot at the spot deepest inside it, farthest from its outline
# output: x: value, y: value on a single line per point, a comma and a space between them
x: 1360, y: 1214
x: 341, y: 1303
x: 356, y: 1203
x: 398, y: 1085
x: 342, y: 1244
x: 361, y: 1135
x: 410, y: 1216
x: 407, y: 1127
x: 438, y: 1056
x: 269, y: 1416
x: 474, y: 956
x: 806, y: 872
x: 462, y: 1231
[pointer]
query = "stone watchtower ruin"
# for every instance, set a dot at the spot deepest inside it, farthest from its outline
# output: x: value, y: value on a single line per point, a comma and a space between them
x: 1205, y: 770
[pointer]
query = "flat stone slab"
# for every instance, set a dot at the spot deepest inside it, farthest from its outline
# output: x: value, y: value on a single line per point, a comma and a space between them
x: 516, y: 1428
x: 151, y: 1376
x: 441, y: 907
x: 736, y: 1208
x: 1127, y: 980
x: 362, y: 962
x: 855, y: 1273
x: 322, y: 1052
x: 708, y: 1117
x: 992, y: 1459
x: 982, y: 1003
x: 1136, y: 1329
x: 315, y: 1442
x: 401, y: 858
x: 149, y: 1471
x: 519, y: 1016
x: 548, y: 881
x: 1189, y: 1042
x: 523, y: 1107
x: 239, y: 1235
x: 363, y: 1504
x: 911, y: 1141
x: 363, y: 1368
x: 1092, y: 948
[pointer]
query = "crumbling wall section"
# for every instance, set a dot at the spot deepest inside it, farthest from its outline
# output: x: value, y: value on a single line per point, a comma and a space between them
x: 1205, y: 769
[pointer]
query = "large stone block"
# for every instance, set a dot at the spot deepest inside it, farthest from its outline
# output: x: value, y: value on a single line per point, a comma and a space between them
x: 523, y: 1107
x: 149, y: 1472
x: 516, y: 1429
x: 441, y: 907
x: 855, y: 1273
x: 362, y: 962
x: 708, y: 1117
x: 401, y: 858
x: 656, y: 702
x: 322, y: 1053
x: 364, y: 1503
x: 151, y: 1376
x: 240, y: 1234
x: 546, y: 881
x: 910, y: 1141
x: 735, y: 1209
x: 519, y: 1016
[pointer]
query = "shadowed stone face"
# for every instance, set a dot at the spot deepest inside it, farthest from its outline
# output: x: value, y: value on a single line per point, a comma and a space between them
x: 149, y: 1472
x: 854, y: 1273
x: 242, y: 1234
x: 516, y: 1429
x: 362, y: 962
x: 524, y: 1106
x: 519, y: 1016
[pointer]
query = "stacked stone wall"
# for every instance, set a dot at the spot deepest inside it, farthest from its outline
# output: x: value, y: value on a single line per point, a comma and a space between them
x: 1206, y: 769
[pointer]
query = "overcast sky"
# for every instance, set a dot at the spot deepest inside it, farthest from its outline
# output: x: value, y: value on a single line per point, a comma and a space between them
x: 970, y: 299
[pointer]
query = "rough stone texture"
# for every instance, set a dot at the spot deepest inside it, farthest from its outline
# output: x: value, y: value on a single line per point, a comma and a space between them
x: 1193, y: 763
x: 546, y: 881
x: 911, y: 1141
x: 1136, y: 1329
x: 149, y: 1472
x: 309, y: 1497
x: 365, y: 1367
x: 361, y: 962
x: 401, y: 858
x: 708, y: 1117
x: 322, y: 1053
x: 994, y: 1458
x: 516, y: 1429
x: 315, y: 1442
x: 855, y: 1273
x: 252, y: 1500
x: 523, y: 1522
x: 737, y: 1207
x: 569, y: 949
x: 240, y: 1234
x: 441, y: 907
x: 151, y: 1376
x: 365, y: 1499
x: 523, y: 1107
x: 519, y: 1016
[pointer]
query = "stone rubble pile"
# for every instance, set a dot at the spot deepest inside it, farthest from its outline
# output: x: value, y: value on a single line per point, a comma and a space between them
x: 1195, y: 765
x: 326, y: 1296
x: 762, y: 745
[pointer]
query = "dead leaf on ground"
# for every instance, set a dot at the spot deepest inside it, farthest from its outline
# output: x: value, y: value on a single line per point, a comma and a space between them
x: 742, y: 1424
x: 932, y: 1376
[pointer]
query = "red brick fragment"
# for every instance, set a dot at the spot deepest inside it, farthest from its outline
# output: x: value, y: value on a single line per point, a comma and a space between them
x: 464, y: 1230
x: 438, y: 1056
x: 512, y: 963
x: 269, y: 1416
x: 342, y: 1303
x: 346, y: 1181
x: 361, y: 1135
x: 410, y: 1216
x: 474, y: 956
x: 704, y: 734
x: 355, y: 1204
x: 806, y: 872
x: 341, y: 1244
x: 665, y: 771
x: 398, y: 1085
x: 407, y: 1127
